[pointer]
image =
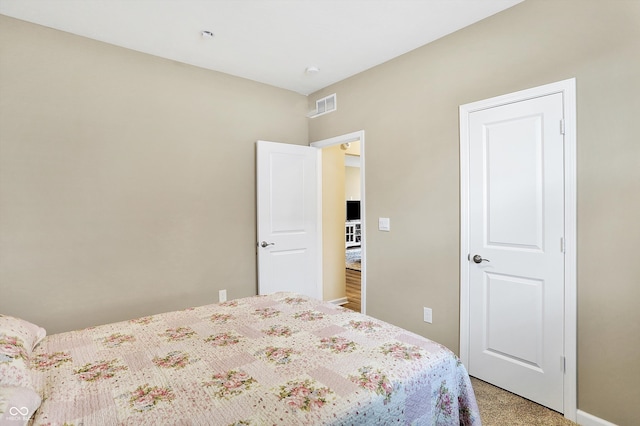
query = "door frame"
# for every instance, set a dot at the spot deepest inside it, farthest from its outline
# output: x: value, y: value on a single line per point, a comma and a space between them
x: 568, y: 90
x: 337, y: 140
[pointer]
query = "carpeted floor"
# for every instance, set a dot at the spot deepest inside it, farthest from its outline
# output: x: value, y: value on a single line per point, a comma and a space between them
x: 500, y: 408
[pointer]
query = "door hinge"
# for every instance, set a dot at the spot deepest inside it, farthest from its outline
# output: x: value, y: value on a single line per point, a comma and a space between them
x: 562, y: 247
x: 563, y: 364
x: 562, y: 126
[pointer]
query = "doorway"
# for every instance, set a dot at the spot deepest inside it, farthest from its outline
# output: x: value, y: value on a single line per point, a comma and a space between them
x: 344, y: 278
x: 518, y: 219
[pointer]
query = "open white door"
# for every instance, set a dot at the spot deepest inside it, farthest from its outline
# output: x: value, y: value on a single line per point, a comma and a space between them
x: 516, y: 220
x: 517, y: 327
x: 288, y: 205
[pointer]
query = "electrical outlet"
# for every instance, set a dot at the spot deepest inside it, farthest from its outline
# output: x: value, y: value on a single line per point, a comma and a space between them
x: 428, y: 315
x: 222, y: 296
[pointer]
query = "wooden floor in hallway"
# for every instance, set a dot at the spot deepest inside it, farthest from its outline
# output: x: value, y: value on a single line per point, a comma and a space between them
x: 353, y: 279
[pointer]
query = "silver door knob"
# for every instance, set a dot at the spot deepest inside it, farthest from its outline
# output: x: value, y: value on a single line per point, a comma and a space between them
x: 266, y: 244
x: 478, y: 259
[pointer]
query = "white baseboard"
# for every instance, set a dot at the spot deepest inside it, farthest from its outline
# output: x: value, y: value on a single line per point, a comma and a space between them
x: 341, y: 301
x: 586, y: 419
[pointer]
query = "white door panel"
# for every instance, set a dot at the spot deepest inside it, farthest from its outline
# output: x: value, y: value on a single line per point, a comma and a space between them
x: 515, y: 303
x: 287, y: 219
x: 513, y: 183
x: 516, y: 223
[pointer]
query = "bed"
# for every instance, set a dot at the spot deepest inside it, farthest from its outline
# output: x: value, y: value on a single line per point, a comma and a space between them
x: 263, y: 360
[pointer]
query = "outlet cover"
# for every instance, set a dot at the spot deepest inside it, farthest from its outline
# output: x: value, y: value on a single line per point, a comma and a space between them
x: 222, y: 296
x: 428, y: 315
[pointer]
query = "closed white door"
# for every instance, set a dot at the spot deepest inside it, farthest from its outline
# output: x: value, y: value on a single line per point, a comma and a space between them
x: 288, y: 223
x: 516, y: 240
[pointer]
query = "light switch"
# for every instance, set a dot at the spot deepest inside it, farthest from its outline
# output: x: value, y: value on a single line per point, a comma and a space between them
x: 384, y: 224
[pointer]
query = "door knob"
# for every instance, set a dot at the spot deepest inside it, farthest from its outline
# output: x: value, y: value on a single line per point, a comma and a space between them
x: 266, y: 244
x: 478, y: 259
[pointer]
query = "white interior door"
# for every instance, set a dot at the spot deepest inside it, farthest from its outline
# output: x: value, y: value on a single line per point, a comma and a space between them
x: 516, y: 246
x: 288, y: 203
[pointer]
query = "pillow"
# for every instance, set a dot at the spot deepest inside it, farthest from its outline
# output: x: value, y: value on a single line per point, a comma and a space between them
x: 17, y: 405
x: 14, y: 371
x: 29, y: 333
x: 17, y: 340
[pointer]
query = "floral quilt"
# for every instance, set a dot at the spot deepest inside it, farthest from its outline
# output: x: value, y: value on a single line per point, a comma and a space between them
x: 280, y: 359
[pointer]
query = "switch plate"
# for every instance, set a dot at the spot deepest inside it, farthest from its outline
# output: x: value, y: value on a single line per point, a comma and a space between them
x: 428, y: 315
x: 384, y: 224
x: 222, y: 296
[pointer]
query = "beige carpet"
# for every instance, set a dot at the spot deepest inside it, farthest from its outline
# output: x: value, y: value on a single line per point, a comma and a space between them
x: 499, y: 408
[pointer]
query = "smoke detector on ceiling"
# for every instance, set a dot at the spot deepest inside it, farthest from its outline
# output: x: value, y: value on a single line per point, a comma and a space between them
x: 311, y: 70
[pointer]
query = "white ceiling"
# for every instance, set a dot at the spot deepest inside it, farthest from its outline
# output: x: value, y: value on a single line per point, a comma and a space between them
x: 270, y: 41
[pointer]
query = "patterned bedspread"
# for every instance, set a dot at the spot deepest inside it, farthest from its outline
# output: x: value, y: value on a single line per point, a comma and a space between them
x: 266, y: 360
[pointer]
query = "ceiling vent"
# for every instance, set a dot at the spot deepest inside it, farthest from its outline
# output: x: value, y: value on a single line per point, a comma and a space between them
x: 324, y: 106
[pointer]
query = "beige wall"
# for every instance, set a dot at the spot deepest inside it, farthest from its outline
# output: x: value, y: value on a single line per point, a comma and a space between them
x: 408, y: 108
x: 352, y: 183
x: 127, y: 182
x: 333, y: 211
